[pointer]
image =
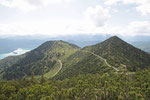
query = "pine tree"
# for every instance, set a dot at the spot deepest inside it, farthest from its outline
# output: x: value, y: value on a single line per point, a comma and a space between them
x: 43, y: 80
x: 33, y: 80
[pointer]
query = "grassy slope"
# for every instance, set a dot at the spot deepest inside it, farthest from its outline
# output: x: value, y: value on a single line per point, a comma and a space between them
x: 66, y: 54
x: 82, y: 63
x: 56, y: 67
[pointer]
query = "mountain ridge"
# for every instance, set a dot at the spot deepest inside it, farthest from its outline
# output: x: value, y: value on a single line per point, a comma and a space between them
x: 112, y: 54
x: 105, y: 51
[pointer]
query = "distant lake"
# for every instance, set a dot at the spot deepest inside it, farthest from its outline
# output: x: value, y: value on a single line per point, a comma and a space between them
x: 19, y: 51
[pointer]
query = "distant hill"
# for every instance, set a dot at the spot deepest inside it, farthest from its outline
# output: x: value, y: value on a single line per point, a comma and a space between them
x: 10, y: 44
x: 144, y: 45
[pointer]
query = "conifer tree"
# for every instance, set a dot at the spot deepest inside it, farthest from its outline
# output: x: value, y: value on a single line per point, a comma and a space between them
x: 43, y: 80
x: 33, y: 80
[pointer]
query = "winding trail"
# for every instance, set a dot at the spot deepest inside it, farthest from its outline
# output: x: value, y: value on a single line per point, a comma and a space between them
x: 102, y: 59
x: 116, y: 69
x: 59, y: 61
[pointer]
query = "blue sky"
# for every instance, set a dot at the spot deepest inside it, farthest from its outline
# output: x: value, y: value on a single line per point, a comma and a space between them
x: 71, y: 17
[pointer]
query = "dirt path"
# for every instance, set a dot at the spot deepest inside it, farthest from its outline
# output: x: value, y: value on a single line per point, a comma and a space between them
x: 59, y: 68
x: 103, y: 60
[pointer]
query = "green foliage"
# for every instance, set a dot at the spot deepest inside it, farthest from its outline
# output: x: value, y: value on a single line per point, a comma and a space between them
x: 43, y: 79
x: 109, y: 86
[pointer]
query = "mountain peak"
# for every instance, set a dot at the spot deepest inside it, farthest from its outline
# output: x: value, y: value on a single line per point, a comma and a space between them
x: 112, y: 42
x: 114, y: 38
x: 118, y: 52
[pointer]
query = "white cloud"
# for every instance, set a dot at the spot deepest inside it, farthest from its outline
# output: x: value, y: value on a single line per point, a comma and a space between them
x: 134, y: 28
x: 112, y: 2
x: 30, y: 5
x: 23, y: 5
x: 144, y: 9
x: 139, y: 28
x: 142, y: 6
x: 51, y: 28
x: 97, y: 15
x: 72, y: 27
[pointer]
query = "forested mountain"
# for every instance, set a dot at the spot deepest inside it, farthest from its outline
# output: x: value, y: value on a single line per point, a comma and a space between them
x: 40, y: 60
x: 121, y: 54
x: 8, y: 62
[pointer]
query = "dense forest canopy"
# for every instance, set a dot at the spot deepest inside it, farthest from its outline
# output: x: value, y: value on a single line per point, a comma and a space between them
x: 108, y: 86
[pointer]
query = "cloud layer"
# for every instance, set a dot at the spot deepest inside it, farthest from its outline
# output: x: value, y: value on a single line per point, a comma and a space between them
x: 69, y: 17
x: 30, y: 5
x: 139, y: 28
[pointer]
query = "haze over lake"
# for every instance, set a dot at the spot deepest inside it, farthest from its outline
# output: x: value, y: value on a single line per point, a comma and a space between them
x: 16, y: 52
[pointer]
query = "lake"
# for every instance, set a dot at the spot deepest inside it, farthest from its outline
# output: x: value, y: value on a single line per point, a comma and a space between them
x: 16, y: 52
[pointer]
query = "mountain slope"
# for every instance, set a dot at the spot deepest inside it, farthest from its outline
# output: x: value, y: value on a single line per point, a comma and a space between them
x: 40, y: 60
x: 82, y: 62
x: 7, y: 62
x: 119, y: 53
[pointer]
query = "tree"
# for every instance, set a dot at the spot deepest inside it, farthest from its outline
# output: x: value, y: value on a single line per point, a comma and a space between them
x: 43, y: 80
x: 33, y: 80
